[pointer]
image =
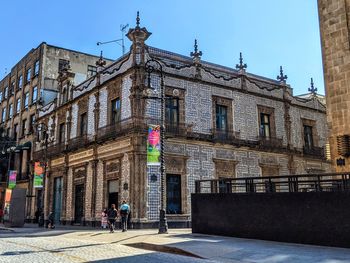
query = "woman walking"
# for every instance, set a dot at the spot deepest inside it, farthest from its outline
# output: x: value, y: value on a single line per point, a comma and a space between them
x: 104, y: 218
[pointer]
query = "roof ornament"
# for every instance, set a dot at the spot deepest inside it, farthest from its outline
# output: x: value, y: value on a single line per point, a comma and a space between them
x: 196, y: 54
x: 312, y: 88
x: 101, y: 62
x: 241, y: 66
x: 138, y: 20
x: 282, y: 78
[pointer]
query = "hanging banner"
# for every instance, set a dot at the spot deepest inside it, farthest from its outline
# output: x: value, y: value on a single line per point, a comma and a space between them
x: 12, y: 179
x: 38, y: 175
x: 153, y: 145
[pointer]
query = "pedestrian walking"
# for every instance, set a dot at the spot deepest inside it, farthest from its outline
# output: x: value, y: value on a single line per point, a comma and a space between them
x: 124, y: 213
x: 104, y: 218
x: 51, y: 219
x: 112, y: 216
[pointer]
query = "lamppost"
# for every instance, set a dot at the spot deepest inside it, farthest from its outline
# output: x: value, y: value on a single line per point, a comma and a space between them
x: 43, y: 130
x: 151, y: 66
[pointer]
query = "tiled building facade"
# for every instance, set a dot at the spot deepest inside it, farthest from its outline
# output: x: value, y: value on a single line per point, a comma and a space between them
x: 335, y: 40
x: 220, y: 122
x: 31, y: 84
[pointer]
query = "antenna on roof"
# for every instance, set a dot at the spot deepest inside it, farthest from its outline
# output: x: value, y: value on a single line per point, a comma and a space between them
x: 119, y: 41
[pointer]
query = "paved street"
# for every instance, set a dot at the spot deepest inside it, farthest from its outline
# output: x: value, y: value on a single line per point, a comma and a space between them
x: 85, y: 245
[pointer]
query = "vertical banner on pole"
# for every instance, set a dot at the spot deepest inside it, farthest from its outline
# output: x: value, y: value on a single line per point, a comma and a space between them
x: 38, y: 175
x: 153, y: 145
x: 12, y: 179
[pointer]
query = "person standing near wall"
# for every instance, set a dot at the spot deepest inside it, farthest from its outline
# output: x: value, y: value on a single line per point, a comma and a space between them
x: 112, y: 216
x: 124, y: 213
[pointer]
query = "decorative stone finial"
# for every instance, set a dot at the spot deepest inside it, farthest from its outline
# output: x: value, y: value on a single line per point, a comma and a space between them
x: 282, y: 77
x: 101, y: 62
x: 196, y: 54
x: 312, y: 88
x: 241, y: 66
x: 138, y: 20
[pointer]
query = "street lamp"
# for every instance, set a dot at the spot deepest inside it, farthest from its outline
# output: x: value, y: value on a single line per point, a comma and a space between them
x: 151, y: 66
x: 43, y: 129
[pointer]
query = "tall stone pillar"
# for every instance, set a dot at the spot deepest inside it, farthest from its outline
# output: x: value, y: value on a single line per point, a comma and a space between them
x: 334, y: 18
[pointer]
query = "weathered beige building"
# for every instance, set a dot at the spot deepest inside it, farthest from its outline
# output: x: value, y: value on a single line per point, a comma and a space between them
x: 220, y: 122
x: 31, y: 84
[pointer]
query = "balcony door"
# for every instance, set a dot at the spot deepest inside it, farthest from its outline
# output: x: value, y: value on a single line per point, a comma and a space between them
x: 173, y: 194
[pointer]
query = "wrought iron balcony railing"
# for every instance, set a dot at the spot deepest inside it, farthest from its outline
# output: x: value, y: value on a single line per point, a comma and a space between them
x: 269, y: 142
x: 314, y: 151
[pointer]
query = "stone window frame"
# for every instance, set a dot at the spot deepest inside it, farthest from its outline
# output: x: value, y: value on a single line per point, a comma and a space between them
x: 270, y: 111
x: 177, y: 165
x: 221, y: 162
x: 315, y: 137
x: 114, y: 91
x: 269, y: 167
x: 83, y: 107
x: 217, y: 100
x: 171, y: 92
x: 56, y: 173
x: 77, y: 181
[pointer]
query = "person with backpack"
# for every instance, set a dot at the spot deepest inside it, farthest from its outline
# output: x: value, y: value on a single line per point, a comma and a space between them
x: 112, y: 216
x: 124, y: 212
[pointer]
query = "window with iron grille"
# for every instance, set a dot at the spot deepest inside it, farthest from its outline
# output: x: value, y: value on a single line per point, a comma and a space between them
x: 265, y: 129
x: 3, y: 115
x: 28, y: 74
x: 10, y: 111
x: 62, y: 63
x: 20, y: 81
x: 221, y: 117
x: 35, y: 94
x: 24, y: 127
x: 36, y: 68
x: 83, y: 124
x: 91, y: 71
x: 31, y: 123
x: 172, y: 112
x: 18, y: 105
x: 26, y: 100
x: 308, y: 138
x: 62, y: 133
x: 116, y: 112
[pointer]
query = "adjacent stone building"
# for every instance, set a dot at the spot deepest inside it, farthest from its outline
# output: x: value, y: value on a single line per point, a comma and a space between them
x: 220, y: 122
x: 31, y: 84
x: 335, y: 40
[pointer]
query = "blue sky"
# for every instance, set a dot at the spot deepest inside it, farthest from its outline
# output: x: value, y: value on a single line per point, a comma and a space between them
x: 270, y: 33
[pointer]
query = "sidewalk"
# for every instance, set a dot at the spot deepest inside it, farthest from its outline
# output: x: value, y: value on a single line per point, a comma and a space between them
x: 221, y: 249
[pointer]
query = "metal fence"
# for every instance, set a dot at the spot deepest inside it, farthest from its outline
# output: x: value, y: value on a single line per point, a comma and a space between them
x: 326, y: 182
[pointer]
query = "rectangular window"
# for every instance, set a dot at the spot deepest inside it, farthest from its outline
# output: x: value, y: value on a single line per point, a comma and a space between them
x: 32, y: 123
x: 12, y: 88
x: 36, y: 68
x: 308, y: 138
x: 24, y: 127
x: 62, y: 133
x: 265, y: 130
x: 172, y: 112
x: 62, y: 63
x: 26, y: 100
x: 18, y: 105
x: 3, y: 116
x: 35, y: 94
x: 1, y: 96
x: 115, y: 114
x: 10, y: 111
x: 221, y: 117
x: 83, y: 124
x: 28, y: 74
x: 173, y: 194
x: 20, y: 82
x: 6, y: 90
x: 91, y: 71
x: 15, y: 132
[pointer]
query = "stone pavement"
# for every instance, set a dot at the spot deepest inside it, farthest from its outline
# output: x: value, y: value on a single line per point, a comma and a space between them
x: 180, y: 245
